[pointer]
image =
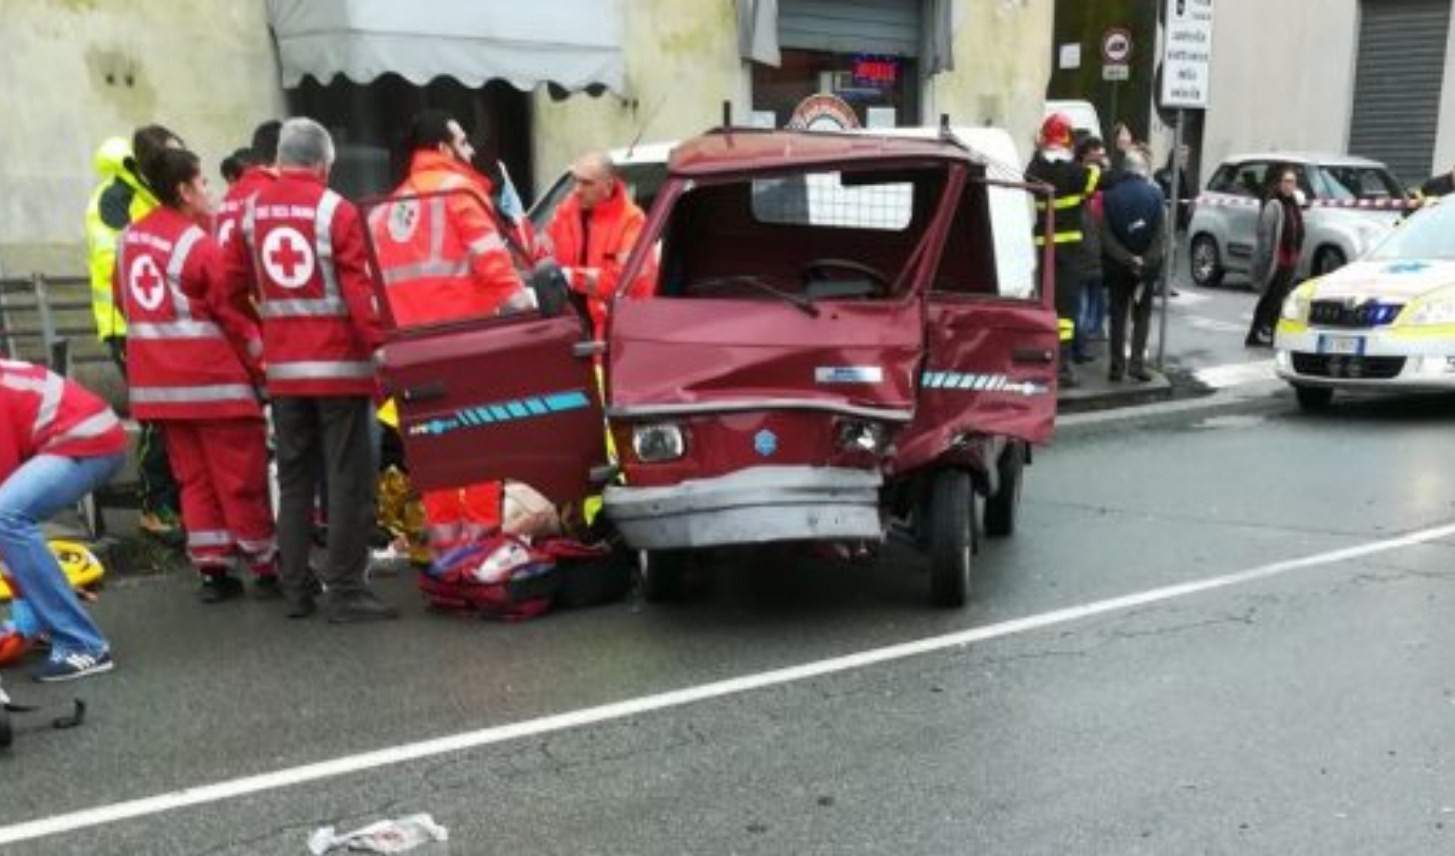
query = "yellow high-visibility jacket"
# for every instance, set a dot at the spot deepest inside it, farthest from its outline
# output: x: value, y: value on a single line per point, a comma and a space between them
x: 119, y: 200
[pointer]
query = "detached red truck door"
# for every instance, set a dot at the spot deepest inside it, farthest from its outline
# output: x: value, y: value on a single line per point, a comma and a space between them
x: 504, y: 399
x: 488, y: 398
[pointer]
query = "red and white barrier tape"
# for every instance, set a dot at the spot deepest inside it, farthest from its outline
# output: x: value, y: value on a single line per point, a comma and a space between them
x: 1381, y: 204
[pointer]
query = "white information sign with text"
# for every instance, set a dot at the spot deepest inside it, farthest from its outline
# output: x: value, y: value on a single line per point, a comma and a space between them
x: 1187, y: 53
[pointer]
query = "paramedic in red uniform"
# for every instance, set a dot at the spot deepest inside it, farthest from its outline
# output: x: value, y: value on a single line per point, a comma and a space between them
x: 256, y: 174
x: 592, y: 233
x: 194, y: 359
x: 320, y: 331
x: 441, y: 258
x: 58, y: 442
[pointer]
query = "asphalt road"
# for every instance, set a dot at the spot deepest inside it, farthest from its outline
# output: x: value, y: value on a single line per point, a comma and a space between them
x: 1298, y: 709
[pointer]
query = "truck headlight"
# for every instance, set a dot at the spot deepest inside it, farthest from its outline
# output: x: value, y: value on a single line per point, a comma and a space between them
x: 859, y: 435
x: 655, y: 443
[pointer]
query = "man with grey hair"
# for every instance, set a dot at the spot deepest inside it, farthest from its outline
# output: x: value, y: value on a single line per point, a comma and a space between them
x: 304, y: 247
x: 1133, y: 234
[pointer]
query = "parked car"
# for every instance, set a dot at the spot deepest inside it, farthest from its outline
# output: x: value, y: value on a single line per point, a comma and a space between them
x: 849, y: 336
x: 1383, y: 323
x: 1224, y: 221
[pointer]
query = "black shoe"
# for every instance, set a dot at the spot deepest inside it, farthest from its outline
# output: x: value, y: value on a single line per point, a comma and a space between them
x: 219, y: 587
x: 1140, y: 374
x: 1115, y: 375
x: 267, y: 587
x: 358, y: 607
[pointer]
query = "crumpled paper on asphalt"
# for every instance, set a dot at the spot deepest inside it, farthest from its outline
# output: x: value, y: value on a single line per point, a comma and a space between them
x: 385, y: 836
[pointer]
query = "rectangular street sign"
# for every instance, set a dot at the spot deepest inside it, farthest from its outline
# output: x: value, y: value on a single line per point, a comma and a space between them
x: 1187, y: 53
x: 1116, y: 71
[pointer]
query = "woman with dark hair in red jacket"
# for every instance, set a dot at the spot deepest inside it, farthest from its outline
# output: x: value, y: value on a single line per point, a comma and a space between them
x: 193, y: 355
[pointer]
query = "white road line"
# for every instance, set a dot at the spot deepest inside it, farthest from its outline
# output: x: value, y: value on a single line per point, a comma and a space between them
x: 1236, y: 374
x: 291, y: 776
x: 1215, y: 325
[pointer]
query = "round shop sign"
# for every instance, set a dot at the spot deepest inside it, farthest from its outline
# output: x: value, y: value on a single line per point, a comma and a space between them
x: 288, y: 258
x: 146, y: 283
x: 823, y: 112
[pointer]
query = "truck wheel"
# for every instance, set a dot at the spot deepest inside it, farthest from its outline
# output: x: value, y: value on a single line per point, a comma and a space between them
x: 952, y: 537
x: 1312, y: 399
x: 1002, y: 509
x: 664, y: 575
x: 1207, y: 264
x: 5, y: 733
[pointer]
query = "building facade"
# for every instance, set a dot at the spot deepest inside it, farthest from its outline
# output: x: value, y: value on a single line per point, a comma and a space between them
x: 536, y: 83
x: 1363, y: 77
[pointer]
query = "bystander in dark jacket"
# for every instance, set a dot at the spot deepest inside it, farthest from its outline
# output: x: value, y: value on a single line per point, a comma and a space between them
x: 1133, y: 238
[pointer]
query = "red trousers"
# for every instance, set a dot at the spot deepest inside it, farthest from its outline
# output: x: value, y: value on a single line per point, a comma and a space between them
x: 222, y: 467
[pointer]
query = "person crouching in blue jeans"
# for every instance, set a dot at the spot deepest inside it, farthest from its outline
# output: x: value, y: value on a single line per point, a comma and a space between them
x: 58, y: 442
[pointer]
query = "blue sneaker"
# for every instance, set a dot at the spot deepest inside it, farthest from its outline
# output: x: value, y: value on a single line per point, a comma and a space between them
x: 68, y: 667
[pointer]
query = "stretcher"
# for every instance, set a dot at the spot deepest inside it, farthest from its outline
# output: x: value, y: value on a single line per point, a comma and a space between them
x: 83, y: 570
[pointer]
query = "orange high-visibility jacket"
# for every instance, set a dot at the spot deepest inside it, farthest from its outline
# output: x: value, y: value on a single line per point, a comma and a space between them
x: 440, y: 255
x: 594, y: 246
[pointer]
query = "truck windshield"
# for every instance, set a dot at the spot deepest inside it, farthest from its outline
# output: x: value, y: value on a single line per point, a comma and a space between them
x: 818, y: 235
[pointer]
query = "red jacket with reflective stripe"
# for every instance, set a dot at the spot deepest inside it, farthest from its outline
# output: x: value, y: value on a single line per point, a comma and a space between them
x: 441, y: 256
x: 42, y: 413
x: 303, y: 245
x: 228, y: 222
x: 596, y: 255
x: 190, y: 352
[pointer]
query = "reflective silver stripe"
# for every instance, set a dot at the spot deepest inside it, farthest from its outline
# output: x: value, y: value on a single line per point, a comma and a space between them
x: 248, y: 223
x: 192, y: 394
x: 175, y: 330
x: 209, y: 538
x: 91, y: 426
x: 319, y: 369
x: 419, y: 270
x: 436, y: 227
x: 52, y: 388
x: 322, y: 226
x: 258, y: 545
x: 485, y: 244
x: 175, y: 264
x: 327, y: 307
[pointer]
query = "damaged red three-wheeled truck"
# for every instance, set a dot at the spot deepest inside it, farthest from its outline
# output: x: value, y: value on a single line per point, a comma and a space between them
x: 847, y: 334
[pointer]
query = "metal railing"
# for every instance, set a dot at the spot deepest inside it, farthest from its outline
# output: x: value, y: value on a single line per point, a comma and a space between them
x: 35, y: 322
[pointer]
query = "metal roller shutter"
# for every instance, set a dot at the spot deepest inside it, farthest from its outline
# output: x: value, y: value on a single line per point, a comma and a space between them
x: 851, y: 26
x: 1401, y: 67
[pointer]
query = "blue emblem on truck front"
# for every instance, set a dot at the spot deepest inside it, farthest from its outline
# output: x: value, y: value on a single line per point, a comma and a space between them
x: 503, y: 411
x: 765, y: 442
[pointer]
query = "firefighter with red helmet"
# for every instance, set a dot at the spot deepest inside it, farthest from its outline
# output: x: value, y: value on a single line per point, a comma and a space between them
x: 1071, y: 184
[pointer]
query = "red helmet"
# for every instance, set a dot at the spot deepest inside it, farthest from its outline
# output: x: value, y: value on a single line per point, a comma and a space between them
x: 1056, y: 131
